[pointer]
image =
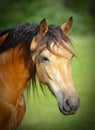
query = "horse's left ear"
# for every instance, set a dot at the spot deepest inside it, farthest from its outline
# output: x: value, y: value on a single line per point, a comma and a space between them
x: 2, y: 38
x: 43, y: 28
x: 67, y: 26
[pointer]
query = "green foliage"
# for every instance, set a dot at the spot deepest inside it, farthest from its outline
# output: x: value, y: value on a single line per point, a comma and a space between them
x: 81, y: 6
x: 17, y: 12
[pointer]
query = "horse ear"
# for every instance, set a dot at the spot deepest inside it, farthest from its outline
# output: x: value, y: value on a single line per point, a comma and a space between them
x: 67, y: 26
x: 43, y: 28
x: 2, y: 38
x: 33, y: 45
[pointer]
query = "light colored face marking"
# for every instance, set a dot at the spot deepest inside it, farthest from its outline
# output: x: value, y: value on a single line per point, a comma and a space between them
x: 55, y: 71
x: 53, y: 64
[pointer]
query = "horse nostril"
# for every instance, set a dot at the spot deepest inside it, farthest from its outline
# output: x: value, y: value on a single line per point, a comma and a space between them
x: 71, y: 105
x: 67, y: 105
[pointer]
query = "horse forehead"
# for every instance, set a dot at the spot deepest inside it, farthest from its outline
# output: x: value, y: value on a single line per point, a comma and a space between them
x: 56, y: 62
x: 57, y: 52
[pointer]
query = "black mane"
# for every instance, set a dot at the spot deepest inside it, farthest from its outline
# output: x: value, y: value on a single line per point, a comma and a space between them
x: 18, y: 35
x: 22, y: 36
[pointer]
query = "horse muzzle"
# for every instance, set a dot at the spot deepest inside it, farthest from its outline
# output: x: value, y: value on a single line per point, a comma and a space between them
x: 68, y: 105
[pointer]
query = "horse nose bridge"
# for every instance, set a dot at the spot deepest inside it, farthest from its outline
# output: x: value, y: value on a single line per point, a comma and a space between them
x: 68, y: 88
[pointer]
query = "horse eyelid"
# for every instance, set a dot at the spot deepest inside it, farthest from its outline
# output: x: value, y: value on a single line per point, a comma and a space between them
x: 44, y: 58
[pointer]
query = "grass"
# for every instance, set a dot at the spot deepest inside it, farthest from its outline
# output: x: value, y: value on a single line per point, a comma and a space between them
x: 42, y: 112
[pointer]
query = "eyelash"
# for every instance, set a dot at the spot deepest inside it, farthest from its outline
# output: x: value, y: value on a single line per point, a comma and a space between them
x: 44, y: 58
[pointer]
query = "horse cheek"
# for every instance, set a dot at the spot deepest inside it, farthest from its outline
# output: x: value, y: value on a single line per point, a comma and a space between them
x: 39, y: 74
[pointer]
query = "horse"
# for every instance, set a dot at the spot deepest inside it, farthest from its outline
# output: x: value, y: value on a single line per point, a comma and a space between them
x: 29, y: 51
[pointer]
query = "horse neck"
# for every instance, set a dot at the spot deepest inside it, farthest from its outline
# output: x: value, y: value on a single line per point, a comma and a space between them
x: 14, y: 74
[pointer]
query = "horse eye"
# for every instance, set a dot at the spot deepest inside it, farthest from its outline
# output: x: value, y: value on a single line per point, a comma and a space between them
x: 44, y: 58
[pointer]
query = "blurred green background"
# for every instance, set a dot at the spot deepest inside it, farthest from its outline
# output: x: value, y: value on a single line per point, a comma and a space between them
x: 42, y: 111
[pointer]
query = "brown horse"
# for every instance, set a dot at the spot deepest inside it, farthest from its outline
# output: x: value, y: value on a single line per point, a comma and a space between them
x: 29, y: 50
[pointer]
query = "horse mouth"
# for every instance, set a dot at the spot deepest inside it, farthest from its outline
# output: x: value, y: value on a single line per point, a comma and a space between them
x: 65, y: 112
